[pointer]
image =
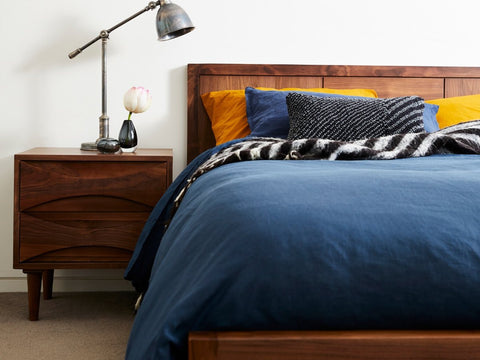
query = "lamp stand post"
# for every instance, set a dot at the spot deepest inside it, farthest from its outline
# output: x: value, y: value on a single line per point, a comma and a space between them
x: 103, y: 120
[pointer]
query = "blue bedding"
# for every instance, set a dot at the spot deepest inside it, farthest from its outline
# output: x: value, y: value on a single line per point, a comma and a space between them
x: 311, y: 244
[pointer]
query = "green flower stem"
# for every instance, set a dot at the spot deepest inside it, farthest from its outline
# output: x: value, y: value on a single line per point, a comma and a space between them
x: 129, y: 115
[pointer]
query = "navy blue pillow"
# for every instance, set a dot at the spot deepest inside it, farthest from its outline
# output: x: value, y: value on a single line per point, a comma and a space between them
x: 267, y: 112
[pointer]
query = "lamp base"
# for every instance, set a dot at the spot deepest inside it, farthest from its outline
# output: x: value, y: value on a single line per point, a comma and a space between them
x: 89, y: 146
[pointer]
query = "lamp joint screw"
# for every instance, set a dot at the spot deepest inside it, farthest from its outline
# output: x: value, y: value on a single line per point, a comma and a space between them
x: 151, y: 5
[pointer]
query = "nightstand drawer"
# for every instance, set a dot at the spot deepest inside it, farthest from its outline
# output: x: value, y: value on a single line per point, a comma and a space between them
x: 83, y: 186
x: 78, y: 237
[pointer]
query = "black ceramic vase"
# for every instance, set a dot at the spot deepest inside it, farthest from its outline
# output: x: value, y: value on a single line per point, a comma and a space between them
x: 128, y: 136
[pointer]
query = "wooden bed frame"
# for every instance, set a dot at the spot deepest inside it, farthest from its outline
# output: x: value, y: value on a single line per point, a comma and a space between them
x: 428, y: 82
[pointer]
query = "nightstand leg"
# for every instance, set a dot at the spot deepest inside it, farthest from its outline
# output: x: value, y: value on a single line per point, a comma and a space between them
x: 34, y: 282
x: 47, y: 284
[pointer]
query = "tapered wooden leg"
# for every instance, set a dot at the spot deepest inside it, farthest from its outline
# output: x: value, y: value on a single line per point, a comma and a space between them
x: 47, y: 284
x: 34, y: 282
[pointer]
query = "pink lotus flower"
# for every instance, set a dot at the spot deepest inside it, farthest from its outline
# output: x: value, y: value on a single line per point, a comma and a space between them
x: 137, y: 100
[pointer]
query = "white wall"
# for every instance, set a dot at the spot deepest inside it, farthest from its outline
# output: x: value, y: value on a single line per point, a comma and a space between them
x: 49, y: 100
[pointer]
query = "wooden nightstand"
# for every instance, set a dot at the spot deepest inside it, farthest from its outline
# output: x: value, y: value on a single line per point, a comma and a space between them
x: 81, y: 209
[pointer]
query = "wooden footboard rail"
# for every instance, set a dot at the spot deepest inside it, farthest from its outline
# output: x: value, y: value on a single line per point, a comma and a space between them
x: 335, y: 345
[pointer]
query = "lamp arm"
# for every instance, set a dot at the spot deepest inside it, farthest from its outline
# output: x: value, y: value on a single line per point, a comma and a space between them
x: 104, y: 33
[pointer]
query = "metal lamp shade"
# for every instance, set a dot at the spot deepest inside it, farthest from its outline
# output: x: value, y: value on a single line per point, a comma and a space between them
x: 172, y: 21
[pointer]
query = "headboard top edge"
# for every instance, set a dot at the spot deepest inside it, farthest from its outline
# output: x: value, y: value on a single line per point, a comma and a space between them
x: 205, y: 69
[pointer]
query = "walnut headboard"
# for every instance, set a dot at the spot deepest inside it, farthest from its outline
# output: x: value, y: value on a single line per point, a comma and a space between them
x: 428, y: 82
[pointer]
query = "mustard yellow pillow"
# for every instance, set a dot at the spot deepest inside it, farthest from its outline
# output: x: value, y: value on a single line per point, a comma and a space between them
x: 455, y: 110
x: 227, y: 109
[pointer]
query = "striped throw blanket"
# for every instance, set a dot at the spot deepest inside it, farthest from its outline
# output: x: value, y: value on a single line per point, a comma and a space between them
x: 463, y: 138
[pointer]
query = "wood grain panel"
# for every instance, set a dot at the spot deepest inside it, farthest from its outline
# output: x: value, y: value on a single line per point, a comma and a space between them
x: 74, y: 257
x: 346, y: 345
x: 46, y: 181
x: 391, y: 87
x: 87, y: 203
x: 71, y: 230
x: 215, y: 82
x: 335, y: 70
x: 461, y: 87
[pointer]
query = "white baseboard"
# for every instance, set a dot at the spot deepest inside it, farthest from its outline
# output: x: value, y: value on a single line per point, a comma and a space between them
x: 69, y: 284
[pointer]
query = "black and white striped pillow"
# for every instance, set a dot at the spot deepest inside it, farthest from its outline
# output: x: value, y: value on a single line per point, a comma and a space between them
x: 350, y: 119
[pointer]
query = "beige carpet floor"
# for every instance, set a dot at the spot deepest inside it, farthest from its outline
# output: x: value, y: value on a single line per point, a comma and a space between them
x: 93, y: 326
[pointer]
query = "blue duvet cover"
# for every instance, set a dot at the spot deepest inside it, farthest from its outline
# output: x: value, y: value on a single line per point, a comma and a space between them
x: 311, y: 245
